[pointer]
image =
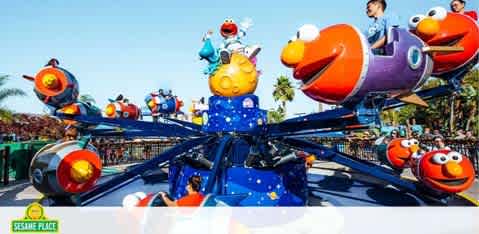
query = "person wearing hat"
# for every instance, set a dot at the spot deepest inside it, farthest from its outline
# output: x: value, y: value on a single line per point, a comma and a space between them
x: 457, y: 6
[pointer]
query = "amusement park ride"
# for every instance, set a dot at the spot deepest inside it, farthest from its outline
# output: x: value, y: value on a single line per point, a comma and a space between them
x: 243, y: 160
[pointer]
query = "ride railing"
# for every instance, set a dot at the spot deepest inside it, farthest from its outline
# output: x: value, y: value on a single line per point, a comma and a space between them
x: 367, y: 149
x: 126, y: 152
x: 129, y: 152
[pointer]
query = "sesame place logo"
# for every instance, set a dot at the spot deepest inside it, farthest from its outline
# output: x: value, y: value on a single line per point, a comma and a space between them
x: 34, y: 221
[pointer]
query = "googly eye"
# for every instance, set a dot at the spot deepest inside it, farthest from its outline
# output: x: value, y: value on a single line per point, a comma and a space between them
x: 437, y: 13
x: 414, y: 57
x: 130, y: 200
x: 455, y: 156
x: 414, y: 21
x: 414, y: 142
x: 440, y: 158
x: 307, y: 32
x: 406, y: 143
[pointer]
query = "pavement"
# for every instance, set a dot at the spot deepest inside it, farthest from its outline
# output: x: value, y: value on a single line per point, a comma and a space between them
x: 21, y: 193
x: 331, y: 168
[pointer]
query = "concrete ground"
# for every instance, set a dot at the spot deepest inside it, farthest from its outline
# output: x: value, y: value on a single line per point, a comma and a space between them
x: 21, y: 193
x: 329, y: 168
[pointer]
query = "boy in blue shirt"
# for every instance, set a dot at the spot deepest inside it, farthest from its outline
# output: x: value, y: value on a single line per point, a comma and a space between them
x: 378, y: 29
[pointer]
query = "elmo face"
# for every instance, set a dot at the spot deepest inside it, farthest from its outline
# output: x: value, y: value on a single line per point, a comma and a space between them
x: 229, y: 28
x: 400, y: 151
x: 328, y: 62
x: 446, y: 171
x: 440, y: 28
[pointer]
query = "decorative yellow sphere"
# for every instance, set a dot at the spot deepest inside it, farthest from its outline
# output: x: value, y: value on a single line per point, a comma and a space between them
x: 50, y: 81
x: 81, y: 171
x: 237, y: 78
x: 110, y: 110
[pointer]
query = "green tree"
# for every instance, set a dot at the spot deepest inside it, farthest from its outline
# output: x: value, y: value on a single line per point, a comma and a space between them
x: 276, y: 116
x: 470, y: 99
x: 87, y: 98
x: 283, y: 91
x: 390, y: 116
x: 5, y: 93
x: 445, y: 113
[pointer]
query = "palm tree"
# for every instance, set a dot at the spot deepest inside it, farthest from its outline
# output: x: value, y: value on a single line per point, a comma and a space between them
x: 6, y: 93
x: 87, y: 98
x: 470, y: 96
x: 449, y: 112
x: 283, y: 91
x: 390, y: 116
x: 276, y: 116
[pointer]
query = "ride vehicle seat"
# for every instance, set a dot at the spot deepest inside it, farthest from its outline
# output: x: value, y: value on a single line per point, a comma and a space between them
x: 391, y: 38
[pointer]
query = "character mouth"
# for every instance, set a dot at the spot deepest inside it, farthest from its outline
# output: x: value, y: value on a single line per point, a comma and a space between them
x: 403, y: 158
x: 227, y: 31
x: 451, y: 182
x: 314, y: 71
x: 311, y: 79
x: 452, y: 40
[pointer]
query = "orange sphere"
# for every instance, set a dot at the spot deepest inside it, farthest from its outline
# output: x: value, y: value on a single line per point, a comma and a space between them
x: 428, y: 28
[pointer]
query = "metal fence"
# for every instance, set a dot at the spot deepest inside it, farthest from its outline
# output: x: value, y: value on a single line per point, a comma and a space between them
x: 122, y: 152
x: 367, y: 149
x: 14, y: 166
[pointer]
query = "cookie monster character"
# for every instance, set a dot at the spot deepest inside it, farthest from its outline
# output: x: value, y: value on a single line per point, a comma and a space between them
x: 210, y: 54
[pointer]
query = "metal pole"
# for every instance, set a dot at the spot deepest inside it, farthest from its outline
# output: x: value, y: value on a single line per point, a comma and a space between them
x: 6, y: 154
x: 29, y: 159
x: 221, y: 149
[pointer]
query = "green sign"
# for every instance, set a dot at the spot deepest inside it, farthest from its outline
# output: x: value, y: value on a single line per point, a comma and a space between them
x: 34, y: 221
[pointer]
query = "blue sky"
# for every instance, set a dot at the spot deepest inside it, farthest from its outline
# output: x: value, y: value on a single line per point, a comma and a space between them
x: 134, y: 47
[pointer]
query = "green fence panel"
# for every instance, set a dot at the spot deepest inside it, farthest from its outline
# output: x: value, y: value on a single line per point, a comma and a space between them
x: 20, y: 156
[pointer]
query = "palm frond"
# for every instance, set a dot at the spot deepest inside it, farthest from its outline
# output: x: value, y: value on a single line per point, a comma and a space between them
x: 87, y: 98
x: 3, y: 79
x: 11, y: 92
